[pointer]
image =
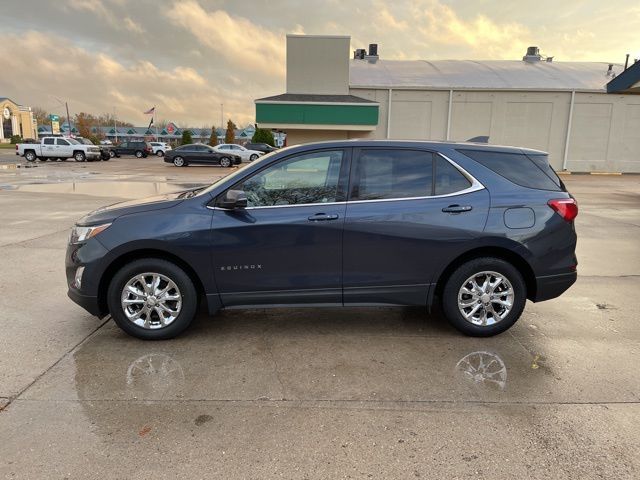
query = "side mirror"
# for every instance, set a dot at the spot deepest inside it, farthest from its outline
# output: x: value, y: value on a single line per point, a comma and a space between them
x: 233, y: 199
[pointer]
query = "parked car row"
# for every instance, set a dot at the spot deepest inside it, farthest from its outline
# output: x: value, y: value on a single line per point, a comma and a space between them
x: 82, y: 149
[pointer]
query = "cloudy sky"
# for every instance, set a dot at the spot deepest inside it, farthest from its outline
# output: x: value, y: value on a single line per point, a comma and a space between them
x: 189, y: 56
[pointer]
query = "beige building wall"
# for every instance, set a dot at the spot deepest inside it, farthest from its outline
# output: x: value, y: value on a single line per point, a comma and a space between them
x: 298, y: 136
x: 318, y: 64
x: 605, y: 132
x: 21, y: 121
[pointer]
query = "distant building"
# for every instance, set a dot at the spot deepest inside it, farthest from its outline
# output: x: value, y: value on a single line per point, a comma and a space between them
x: 16, y: 120
x: 171, y: 133
x: 585, y: 114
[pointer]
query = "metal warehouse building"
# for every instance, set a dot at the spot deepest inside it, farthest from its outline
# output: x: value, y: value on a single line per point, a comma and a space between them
x: 585, y: 114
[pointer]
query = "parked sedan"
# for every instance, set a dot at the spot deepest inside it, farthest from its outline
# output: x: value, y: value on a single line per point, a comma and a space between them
x: 244, y: 153
x: 201, y: 154
x: 260, y: 147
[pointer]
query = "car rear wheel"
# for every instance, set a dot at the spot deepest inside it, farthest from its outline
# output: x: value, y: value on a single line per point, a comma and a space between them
x: 79, y: 157
x: 253, y: 157
x: 112, y: 154
x: 225, y: 162
x: 139, y: 154
x: 160, y: 153
x: 484, y: 297
x: 152, y: 299
x: 179, y: 162
x: 30, y: 156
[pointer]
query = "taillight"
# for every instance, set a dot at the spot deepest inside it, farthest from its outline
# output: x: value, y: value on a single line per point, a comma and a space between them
x: 567, y: 208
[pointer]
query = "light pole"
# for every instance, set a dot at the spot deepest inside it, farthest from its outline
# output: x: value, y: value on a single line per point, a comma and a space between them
x: 66, y: 105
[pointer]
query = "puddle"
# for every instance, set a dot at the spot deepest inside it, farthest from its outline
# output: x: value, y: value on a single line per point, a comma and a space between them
x: 104, y: 189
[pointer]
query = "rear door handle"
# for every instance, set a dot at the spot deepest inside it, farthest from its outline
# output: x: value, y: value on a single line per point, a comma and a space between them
x: 457, y: 208
x: 320, y: 217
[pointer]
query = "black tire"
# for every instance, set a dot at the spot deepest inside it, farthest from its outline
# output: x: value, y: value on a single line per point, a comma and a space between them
x: 253, y: 157
x: 457, y: 280
x: 189, y: 297
x: 160, y: 153
x: 112, y: 154
x: 79, y: 157
x: 139, y: 154
x: 225, y: 162
x: 179, y: 161
x: 30, y: 156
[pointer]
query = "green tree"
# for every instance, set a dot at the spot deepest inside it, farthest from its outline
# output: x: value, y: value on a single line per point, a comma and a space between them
x: 186, y: 137
x: 213, y: 139
x: 263, y: 135
x: 230, y: 134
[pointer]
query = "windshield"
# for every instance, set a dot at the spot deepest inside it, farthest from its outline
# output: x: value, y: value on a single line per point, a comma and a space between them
x: 73, y: 141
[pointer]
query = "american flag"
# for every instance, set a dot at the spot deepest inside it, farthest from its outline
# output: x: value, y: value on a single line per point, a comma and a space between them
x: 150, y: 111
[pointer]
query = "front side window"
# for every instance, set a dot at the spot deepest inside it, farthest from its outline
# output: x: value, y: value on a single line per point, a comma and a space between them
x: 385, y: 174
x: 60, y: 141
x: 304, y: 179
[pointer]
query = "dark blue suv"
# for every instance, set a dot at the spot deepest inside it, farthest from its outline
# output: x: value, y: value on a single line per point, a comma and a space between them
x: 347, y: 223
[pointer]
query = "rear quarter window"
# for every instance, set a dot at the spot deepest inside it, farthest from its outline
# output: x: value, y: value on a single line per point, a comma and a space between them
x: 518, y: 168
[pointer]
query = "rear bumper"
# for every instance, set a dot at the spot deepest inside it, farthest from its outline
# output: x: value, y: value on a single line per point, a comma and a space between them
x: 553, y: 286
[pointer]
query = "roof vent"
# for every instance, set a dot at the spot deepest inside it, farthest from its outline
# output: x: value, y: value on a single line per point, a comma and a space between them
x: 373, y: 53
x: 533, y: 55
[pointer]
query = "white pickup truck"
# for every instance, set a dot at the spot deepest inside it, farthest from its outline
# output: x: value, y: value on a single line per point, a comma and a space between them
x: 57, y: 147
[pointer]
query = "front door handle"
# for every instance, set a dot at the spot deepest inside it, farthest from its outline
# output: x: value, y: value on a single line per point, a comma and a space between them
x: 457, y: 208
x: 320, y: 217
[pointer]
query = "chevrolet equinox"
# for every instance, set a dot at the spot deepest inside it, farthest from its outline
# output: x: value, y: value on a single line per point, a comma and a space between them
x: 478, y: 228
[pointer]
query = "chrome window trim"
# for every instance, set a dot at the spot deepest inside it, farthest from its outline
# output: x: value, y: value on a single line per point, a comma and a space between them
x: 475, y: 186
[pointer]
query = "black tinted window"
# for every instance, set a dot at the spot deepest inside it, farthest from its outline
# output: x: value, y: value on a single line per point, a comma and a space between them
x: 542, y: 162
x: 382, y: 173
x: 448, y: 178
x: 515, y: 167
x: 49, y: 141
x: 310, y: 178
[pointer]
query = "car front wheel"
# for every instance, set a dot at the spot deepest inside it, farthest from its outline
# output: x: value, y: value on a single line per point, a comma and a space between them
x: 152, y: 299
x: 179, y: 162
x: 79, y: 157
x: 484, y: 297
x: 225, y: 162
x: 253, y: 157
x: 139, y: 154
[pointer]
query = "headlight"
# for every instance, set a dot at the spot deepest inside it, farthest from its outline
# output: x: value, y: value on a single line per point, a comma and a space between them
x: 80, y: 234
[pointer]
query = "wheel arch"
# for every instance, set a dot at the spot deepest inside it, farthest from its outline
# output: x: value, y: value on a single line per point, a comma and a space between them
x: 133, y: 255
x: 502, y: 253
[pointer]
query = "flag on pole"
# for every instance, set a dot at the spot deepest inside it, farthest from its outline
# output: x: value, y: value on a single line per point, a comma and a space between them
x: 150, y: 111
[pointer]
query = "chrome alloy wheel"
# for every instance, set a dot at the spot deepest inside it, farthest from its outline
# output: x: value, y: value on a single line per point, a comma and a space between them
x: 485, y: 298
x: 151, y: 300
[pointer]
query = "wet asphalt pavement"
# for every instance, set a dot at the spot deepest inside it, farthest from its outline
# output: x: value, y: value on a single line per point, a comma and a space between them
x: 297, y: 393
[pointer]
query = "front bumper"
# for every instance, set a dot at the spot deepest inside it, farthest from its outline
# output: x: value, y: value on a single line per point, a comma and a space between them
x: 88, y: 302
x: 553, y: 286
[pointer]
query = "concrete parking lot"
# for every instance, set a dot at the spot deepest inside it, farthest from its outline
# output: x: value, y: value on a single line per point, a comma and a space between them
x: 296, y: 393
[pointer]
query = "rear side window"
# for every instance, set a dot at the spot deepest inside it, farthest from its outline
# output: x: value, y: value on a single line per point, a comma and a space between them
x: 448, y: 178
x: 516, y: 167
x: 542, y: 162
x: 48, y: 141
x: 382, y: 174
